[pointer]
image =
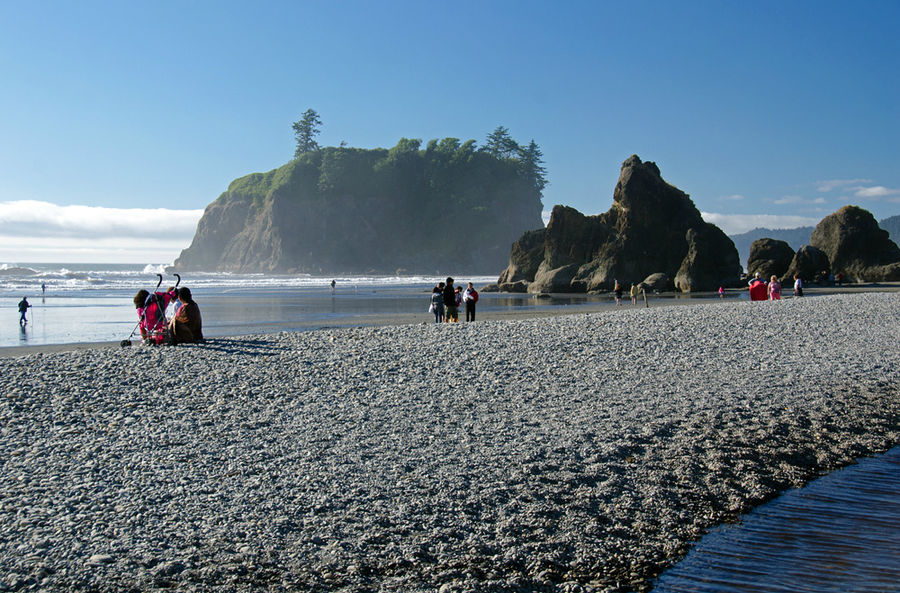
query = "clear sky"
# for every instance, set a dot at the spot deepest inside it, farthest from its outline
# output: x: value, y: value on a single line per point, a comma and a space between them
x: 767, y: 113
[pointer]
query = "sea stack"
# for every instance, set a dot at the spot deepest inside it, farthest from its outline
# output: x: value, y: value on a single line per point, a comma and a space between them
x: 652, y: 227
x: 856, y: 246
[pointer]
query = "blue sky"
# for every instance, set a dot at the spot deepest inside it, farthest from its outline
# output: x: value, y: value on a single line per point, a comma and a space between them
x: 766, y: 113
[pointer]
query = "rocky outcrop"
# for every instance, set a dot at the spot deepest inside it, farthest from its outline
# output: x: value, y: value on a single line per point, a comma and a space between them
x: 652, y: 227
x: 658, y: 282
x: 856, y: 246
x: 707, y: 264
x: 527, y: 254
x: 808, y: 263
x: 796, y: 238
x: 449, y: 208
x: 769, y: 257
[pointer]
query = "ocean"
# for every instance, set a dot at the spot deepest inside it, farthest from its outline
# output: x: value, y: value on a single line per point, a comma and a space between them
x: 93, y: 302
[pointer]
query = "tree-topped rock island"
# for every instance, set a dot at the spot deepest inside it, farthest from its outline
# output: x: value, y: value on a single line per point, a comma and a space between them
x: 653, y: 228
x: 450, y: 207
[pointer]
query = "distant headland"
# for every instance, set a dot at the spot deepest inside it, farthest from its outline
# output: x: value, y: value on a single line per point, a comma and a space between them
x: 449, y: 206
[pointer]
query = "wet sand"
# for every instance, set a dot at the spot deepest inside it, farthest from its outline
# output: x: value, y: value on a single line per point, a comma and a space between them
x: 394, y: 319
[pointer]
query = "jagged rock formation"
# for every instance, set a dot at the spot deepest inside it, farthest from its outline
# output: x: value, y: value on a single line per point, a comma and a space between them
x: 769, y: 257
x: 856, y: 246
x: 808, y: 263
x: 449, y: 208
x: 652, y: 227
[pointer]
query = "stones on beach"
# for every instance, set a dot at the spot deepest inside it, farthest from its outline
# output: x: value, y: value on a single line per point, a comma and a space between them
x: 566, y: 453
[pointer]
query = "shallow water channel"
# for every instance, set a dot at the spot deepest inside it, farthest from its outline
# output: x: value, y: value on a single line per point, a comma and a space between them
x: 839, y: 533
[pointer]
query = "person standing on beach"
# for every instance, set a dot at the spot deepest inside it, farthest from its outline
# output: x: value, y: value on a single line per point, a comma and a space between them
x: 437, y: 304
x: 24, y: 305
x: 721, y: 293
x: 634, y: 293
x: 618, y: 290
x: 774, y: 289
x: 451, y: 313
x: 798, y: 286
x: 332, y: 286
x: 470, y: 297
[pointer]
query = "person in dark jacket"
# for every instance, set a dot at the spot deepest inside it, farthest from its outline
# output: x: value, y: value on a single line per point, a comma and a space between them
x: 451, y: 312
x: 24, y: 305
x: 187, y: 325
x: 470, y: 297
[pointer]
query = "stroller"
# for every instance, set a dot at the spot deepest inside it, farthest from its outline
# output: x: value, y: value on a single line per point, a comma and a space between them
x: 153, y: 324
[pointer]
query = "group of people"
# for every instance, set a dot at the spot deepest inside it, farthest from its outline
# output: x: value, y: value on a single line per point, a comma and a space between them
x: 446, y: 300
x: 760, y: 290
x: 185, y: 327
x: 633, y: 292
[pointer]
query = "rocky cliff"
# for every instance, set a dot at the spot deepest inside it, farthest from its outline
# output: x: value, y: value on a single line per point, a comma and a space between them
x: 769, y: 257
x: 449, y: 208
x: 856, y: 246
x: 652, y: 227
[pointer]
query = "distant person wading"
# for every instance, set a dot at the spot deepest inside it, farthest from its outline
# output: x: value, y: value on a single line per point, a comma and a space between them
x: 24, y: 305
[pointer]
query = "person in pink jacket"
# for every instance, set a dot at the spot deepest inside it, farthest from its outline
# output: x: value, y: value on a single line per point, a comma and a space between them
x: 774, y: 289
x: 151, y: 310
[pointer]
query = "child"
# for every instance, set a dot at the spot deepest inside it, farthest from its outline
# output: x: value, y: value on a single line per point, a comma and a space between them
x: 774, y: 289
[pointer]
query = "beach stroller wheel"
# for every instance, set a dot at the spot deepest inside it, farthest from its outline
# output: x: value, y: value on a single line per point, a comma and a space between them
x: 125, y: 343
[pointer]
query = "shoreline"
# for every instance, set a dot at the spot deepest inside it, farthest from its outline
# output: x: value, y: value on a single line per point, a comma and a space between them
x: 397, y: 319
x: 566, y: 453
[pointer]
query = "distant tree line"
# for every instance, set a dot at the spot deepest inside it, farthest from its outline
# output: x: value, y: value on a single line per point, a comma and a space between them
x: 439, y: 157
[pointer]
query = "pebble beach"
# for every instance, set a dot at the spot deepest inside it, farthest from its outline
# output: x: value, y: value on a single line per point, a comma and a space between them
x: 569, y: 453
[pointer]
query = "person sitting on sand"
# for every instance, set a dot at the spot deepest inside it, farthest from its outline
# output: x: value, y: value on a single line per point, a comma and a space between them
x: 151, y: 310
x: 187, y: 325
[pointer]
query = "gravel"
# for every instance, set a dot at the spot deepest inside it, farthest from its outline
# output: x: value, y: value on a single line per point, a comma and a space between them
x: 573, y: 453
